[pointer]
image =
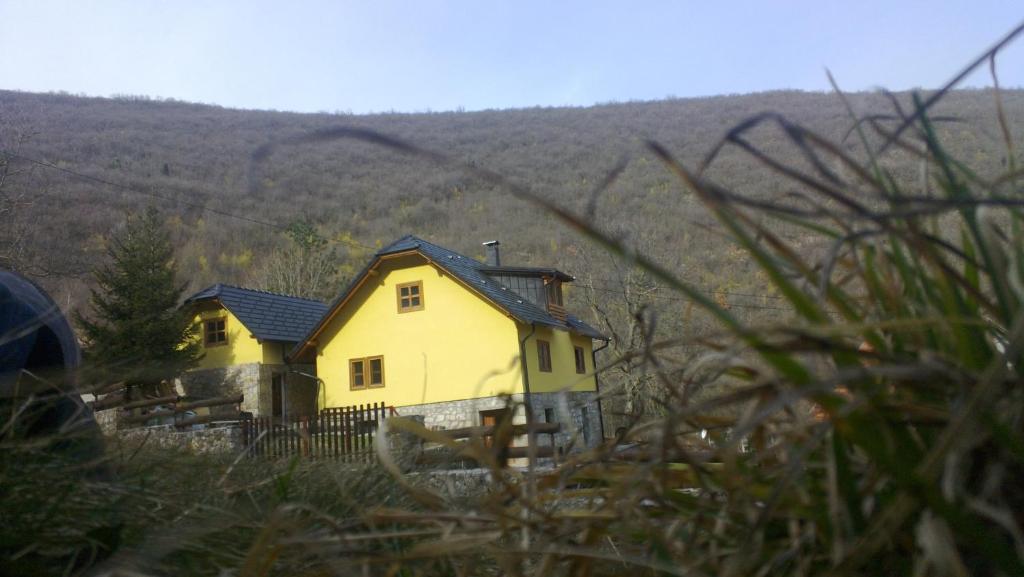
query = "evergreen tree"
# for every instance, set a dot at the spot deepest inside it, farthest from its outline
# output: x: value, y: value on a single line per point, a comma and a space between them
x: 137, y: 332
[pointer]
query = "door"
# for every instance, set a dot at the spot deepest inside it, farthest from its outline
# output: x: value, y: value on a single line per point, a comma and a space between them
x: 495, y: 418
x: 277, y: 395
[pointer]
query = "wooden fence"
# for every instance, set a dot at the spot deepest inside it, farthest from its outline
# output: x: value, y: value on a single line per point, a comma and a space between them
x: 344, y: 433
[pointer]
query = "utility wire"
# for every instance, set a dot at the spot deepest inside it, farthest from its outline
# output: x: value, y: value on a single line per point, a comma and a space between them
x: 684, y: 299
x: 707, y: 290
x: 201, y: 207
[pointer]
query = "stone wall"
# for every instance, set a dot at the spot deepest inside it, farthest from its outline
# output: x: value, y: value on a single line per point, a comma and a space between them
x: 223, y: 382
x: 208, y: 440
x: 578, y: 413
x: 459, y: 414
x: 254, y: 382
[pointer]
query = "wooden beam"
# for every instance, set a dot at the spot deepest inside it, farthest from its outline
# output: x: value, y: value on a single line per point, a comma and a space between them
x: 219, y: 401
x: 130, y: 419
x: 207, y: 419
x: 445, y: 457
x: 491, y: 430
x: 118, y: 401
x: 150, y: 402
x: 541, y: 452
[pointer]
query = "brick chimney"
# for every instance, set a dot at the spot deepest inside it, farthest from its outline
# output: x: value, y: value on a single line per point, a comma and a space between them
x: 493, y: 255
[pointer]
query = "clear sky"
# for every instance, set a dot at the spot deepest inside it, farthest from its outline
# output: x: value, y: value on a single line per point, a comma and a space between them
x: 421, y: 55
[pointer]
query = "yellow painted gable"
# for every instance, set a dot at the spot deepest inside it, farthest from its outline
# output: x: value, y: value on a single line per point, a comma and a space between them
x: 241, y: 348
x: 459, y: 346
x: 563, y: 375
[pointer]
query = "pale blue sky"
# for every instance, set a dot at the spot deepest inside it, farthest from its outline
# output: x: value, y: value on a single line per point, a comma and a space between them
x: 441, y: 55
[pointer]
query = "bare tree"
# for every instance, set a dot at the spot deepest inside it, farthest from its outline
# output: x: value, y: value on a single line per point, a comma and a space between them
x: 621, y: 304
x: 14, y: 205
x: 308, y: 267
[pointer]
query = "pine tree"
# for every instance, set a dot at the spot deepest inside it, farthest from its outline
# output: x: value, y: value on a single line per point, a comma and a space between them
x: 137, y: 332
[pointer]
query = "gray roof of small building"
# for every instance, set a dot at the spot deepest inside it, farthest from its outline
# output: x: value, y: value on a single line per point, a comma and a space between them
x: 474, y: 274
x: 527, y: 271
x: 268, y: 316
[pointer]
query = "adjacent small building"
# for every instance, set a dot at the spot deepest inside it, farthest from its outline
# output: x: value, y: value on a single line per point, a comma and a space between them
x: 445, y: 337
x: 246, y: 335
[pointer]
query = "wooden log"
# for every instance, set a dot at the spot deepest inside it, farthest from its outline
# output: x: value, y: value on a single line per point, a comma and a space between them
x: 541, y: 452
x: 131, y: 419
x: 441, y: 457
x: 490, y: 430
x: 104, y: 389
x: 643, y: 453
x: 108, y: 402
x: 215, y: 402
x: 150, y: 402
x: 208, y: 419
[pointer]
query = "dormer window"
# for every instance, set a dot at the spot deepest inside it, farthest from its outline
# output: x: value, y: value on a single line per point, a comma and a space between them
x: 410, y: 297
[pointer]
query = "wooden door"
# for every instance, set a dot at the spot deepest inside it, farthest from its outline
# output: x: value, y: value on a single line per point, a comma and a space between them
x: 276, y: 395
x: 492, y: 418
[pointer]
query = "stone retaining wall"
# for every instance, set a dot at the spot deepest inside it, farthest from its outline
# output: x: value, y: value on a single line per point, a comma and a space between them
x: 225, y: 440
x: 253, y: 381
x: 578, y: 413
x: 226, y: 381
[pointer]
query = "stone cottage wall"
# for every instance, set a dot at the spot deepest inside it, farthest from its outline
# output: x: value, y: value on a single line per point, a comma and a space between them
x: 253, y: 381
x: 242, y: 380
x: 577, y: 412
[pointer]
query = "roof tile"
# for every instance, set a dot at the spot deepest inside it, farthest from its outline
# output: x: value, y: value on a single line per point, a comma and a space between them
x: 269, y: 316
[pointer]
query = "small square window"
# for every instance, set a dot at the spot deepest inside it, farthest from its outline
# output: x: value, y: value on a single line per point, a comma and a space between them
x: 581, y: 360
x: 410, y: 296
x: 549, y: 415
x: 215, y: 332
x: 544, y: 356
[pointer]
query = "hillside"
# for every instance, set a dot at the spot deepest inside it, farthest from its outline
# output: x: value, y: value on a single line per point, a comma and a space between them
x: 201, y: 156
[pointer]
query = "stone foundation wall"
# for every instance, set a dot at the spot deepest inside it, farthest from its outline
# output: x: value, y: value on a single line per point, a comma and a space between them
x: 222, y: 382
x: 458, y: 414
x: 254, y: 382
x: 227, y: 440
x: 578, y: 413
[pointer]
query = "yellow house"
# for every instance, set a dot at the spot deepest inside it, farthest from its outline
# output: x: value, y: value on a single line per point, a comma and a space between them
x: 441, y: 336
x: 245, y: 335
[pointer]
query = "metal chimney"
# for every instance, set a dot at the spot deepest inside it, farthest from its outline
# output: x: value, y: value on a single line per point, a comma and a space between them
x: 493, y: 255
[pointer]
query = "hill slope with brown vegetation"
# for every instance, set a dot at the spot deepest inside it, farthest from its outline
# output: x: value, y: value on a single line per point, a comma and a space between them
x: 196, y: 164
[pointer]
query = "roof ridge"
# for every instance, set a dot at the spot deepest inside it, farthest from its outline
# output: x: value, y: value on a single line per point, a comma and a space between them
x: 266, y: 292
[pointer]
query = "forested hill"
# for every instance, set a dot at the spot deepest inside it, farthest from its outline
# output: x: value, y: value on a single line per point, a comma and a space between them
x: 201, y: 156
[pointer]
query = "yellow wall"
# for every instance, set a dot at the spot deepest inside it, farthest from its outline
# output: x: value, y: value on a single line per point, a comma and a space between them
x: 563, y: 375
x: 458, y: 347
x: 241, y: 348
x: 273, y: 353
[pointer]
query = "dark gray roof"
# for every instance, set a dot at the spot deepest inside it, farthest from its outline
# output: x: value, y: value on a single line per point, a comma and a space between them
x: 268, y: 316
x: 527, y: 271
x: 474, y: 273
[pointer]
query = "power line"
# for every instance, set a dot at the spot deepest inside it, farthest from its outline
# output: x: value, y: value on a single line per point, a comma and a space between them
x: 201, y: 207
x: 684, y: 299
x: 707, y: 290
